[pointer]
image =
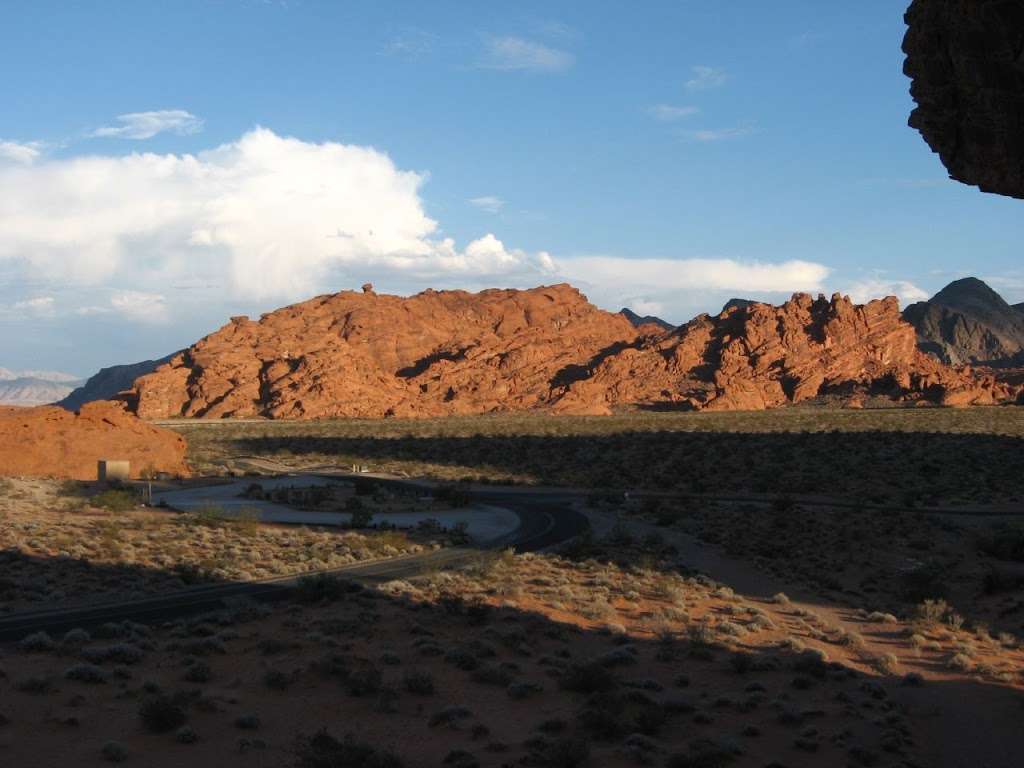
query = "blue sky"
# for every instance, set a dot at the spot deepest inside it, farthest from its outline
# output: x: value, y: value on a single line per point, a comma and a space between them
x: 166, y: 165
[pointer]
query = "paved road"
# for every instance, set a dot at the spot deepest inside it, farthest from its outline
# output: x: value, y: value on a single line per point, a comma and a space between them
x: 543, y: 522
x: 484, y: 522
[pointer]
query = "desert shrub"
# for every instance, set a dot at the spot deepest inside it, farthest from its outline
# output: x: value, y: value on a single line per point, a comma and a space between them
x: 364, y: 486
x: 926, y: 581
x: 324, y: 751
x: 567, y: 753
x: 114, y: 752
x: 492, y: 674
x: 37, y: 642
x: 75, y: 638
x: 119, y: 653
x: 276, y: 679
x: 115, y: 500
x: 86, y: 673
x: 931, y: 612
x: 587, y: 678
x: 161, y: 713
x: 703, y: 753
x: 198, y: 672
x: 320, y: 587
x: 523, y: 690
x: 33, y: 684
x: 449, y: 716
x: 419, y: 683
x: 887, y: 663
x: 1004, y: 541
x: 362, y: 517
x: 452, y: 495
x: 247, y: 722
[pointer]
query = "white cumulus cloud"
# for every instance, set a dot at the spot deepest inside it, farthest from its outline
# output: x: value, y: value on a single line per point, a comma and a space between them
x: 268, y: 219
x: 877, y: 288
x: 265, y: 217
x: 146, y: 125
x: 141, y: 306
x: 20, y: 153
x: 515, y: 53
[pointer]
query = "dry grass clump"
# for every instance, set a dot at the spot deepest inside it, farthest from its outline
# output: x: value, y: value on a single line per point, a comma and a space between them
x: 109, y: 555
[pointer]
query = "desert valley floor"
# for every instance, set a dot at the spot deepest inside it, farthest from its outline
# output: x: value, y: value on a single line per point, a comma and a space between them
x: 798, y: 587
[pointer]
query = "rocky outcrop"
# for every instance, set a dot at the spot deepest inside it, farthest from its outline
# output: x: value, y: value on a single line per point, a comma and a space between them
x: 368, y: 355
x: 646, y: 323
x: 969, y: 323
x: 48, y: 441
x: 737, y: 304
x: 108, y: 383
x: 965, y: 59
x: 761, y: 356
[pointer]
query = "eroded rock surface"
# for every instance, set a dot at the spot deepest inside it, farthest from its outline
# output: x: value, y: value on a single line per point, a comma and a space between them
x: 367, y: 354
x: 49, y: 441
x: 761, y: 356
x: 363, y: 354
x: 966, y: 62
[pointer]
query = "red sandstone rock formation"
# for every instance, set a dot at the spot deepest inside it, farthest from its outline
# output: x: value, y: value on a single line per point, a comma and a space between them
x: 49, y: 441
x: 451, y: 352
x: 367, y: 354
x: 759, y: 356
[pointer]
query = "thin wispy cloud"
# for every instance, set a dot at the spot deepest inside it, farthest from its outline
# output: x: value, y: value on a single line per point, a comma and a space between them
x: 146, y: 125
x: 705, y: 78
x: 411, y: 43
x: 668, y: 113
x: 20, y: 153
x: 488, y: 203
x: 710, y: 135
x: 512, y: 54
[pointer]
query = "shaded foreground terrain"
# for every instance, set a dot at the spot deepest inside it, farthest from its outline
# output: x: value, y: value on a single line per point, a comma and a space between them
x: 607, y: 658
x: 894, y: 455
x: 823, y: 619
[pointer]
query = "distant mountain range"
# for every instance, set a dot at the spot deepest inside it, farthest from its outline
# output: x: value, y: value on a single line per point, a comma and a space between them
x: 969, y: 323
x: 108, y: 382
x: 27, y: 388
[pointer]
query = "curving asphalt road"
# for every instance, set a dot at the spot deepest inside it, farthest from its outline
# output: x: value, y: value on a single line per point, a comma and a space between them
x: 544, y: 521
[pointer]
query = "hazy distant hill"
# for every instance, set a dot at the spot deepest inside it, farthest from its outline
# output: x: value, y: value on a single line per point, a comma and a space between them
x: 109, y: 381
x: 637, y: 320
x: 7, y: 374
x: 968, y: 322
x: 27, y: 391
